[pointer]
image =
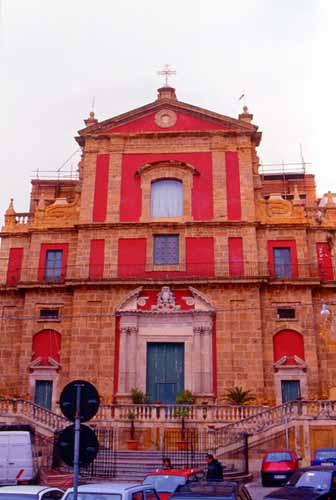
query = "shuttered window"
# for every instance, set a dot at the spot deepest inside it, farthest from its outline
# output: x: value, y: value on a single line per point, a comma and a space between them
x: 166, y: 249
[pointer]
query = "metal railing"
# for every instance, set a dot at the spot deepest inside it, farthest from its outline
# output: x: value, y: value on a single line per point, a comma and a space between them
x: 202, y: 270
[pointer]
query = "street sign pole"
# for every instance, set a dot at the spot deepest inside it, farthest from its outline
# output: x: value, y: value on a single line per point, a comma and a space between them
x: 77, y: 442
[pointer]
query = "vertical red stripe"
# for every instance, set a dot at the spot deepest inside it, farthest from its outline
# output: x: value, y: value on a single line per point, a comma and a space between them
x: 101, y: 188
x: 14, y: 266
x: 131, y: 257
x: 214, y: 356
x: 200, y: 256
x: 324, y: 261
x: 116, y: 358
x: 97, y: 251
x: 233, y: 185
x: 236, y: 257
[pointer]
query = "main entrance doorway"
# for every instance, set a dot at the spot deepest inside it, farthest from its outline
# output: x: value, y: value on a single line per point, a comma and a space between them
x: 165, y: 371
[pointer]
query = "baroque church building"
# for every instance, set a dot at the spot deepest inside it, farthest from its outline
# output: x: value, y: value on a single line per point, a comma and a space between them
x: 170, y: 263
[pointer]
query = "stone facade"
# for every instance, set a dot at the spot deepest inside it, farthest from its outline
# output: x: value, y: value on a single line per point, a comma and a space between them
x: 233, y: 314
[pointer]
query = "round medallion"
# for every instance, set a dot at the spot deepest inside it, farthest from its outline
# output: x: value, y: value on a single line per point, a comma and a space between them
x: 165, y: 118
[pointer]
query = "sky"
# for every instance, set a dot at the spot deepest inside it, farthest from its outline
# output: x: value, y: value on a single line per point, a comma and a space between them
x: 57, y: 57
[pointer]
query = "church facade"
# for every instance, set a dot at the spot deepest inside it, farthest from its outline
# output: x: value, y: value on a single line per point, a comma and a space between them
x: 170, y: 263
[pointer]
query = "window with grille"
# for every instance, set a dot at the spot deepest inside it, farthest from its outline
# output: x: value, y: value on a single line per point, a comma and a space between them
x: 53, y: 265
x: 287, y: 313
x: 166, y: 249
x: 49, y: 314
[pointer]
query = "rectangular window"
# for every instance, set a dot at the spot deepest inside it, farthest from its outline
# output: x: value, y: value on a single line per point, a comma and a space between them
x: 43, y: 393
x: 290, y: 390
x: 282, y: 262
x: 53, y: 265
x: 49, y: 314
x: 286, y: 313
x: 166, y: 249
x: 282, y: 259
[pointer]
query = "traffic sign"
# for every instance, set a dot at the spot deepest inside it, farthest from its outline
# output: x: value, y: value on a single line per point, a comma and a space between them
x: 88, y: 447
x: 89, y: 400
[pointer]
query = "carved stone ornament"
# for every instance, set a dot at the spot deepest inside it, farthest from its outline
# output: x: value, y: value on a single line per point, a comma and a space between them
x: 277, y: 206
x: 165, y: 118
x: 190, y: 301
x: 129, y: 330
x: 166, y: 301
x: 141, y: 301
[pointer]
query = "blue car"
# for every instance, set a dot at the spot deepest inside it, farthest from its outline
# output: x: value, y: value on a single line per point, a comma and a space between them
x: 324, y: 456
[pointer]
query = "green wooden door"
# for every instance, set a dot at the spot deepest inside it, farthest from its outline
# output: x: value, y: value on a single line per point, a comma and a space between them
x: 165, y: 371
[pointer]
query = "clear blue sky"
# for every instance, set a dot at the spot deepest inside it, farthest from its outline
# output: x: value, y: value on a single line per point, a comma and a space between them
x: 55, y: 56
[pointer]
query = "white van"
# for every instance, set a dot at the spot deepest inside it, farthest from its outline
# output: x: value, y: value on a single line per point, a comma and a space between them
x: 17, y: 462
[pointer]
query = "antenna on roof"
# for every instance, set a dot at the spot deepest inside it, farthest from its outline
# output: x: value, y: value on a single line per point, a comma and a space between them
x: 93, y: 103
x: 302, y: 159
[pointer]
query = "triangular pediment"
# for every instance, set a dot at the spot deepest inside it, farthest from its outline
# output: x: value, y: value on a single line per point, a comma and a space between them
x: 166, y: 300
x: 168, y: 115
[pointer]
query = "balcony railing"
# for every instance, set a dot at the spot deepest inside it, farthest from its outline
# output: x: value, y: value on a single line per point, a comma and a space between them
x: 222, y: 270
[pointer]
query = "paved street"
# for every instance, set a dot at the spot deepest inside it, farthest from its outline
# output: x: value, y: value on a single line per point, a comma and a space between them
x: 257, y: 492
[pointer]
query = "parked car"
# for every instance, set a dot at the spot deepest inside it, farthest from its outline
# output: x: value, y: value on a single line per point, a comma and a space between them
x: 30, y: 492
x: 324, y: 456
x: 223, y: 490
x: 166, y: 481
x: 113, y: 491
x: 310, y: 483
x: 278, y: 466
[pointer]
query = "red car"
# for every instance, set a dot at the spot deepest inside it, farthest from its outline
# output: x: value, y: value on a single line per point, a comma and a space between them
x: 278, y: 466
x: 166, y: 481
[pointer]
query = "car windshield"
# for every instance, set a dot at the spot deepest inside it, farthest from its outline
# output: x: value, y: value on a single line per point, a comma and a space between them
x: 93, y: 496
x: 317, y: 479
x: 325, y: 454
x: 164, y: 482
x: 17, y: 496
x: 278, y: 456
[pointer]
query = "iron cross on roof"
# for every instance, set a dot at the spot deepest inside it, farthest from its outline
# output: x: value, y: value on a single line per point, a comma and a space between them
x: 166, y: 72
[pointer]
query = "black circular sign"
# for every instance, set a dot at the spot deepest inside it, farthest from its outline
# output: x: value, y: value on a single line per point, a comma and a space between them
x: 89, y: 400
x: 88, y: 445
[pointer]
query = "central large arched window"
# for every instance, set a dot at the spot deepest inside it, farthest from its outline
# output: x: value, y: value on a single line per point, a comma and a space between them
x: 167, y: 198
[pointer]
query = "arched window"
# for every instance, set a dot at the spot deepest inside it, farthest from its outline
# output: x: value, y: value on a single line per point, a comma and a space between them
x: 167, y: 198
x: 46, y: 344
x: 290, y: 344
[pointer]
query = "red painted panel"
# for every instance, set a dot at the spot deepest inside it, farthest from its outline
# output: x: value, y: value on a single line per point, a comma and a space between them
x: 101, y: 188
x: 131, y: 257
x: 116, y: 358
x: 200, y: 256
x: 43, y: 254
x: 202, y: 196
x: 236, y: 257
x: 324, y: 261
x: 152, y: 297
x: 233, y: 185
x: 97, y: 250
x: 46, y: 344
x: 184, y: 121
x: 288, y: 343
x: 14, y: 266
x: 282, y: 244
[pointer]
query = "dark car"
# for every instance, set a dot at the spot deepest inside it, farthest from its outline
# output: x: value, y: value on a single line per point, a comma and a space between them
x: 310, y: 483
x: 223, y: 490
x: 324, y: 456
x: 278, y: 466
